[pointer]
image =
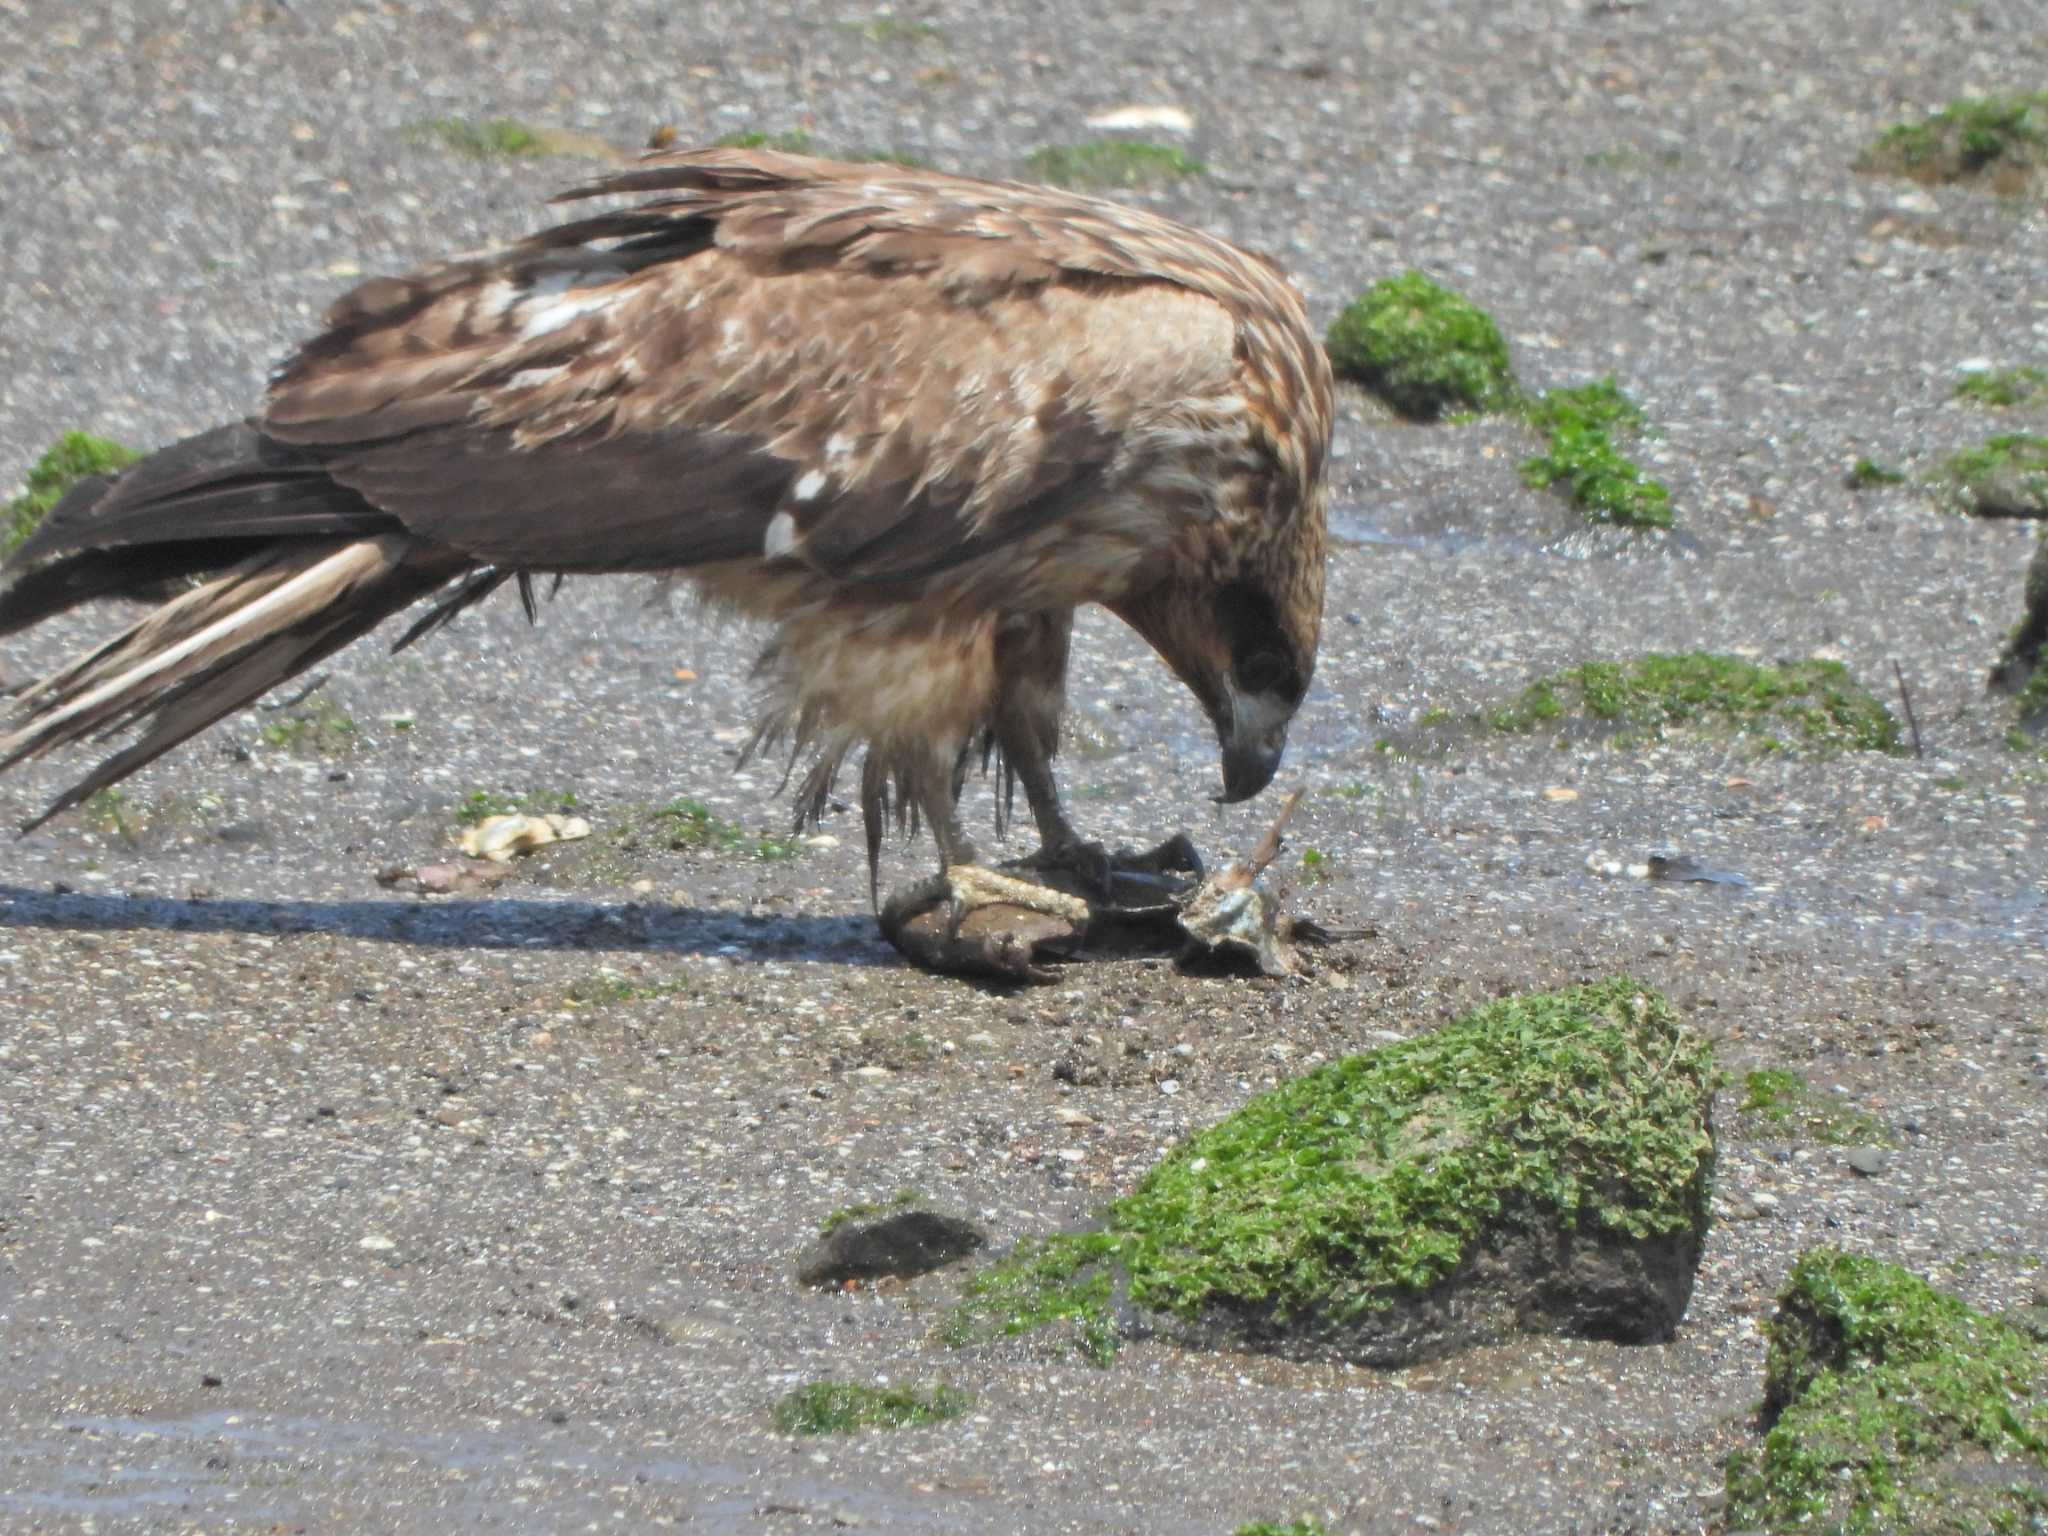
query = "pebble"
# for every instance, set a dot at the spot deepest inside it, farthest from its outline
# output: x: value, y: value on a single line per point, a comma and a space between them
x: 1868, y: 1161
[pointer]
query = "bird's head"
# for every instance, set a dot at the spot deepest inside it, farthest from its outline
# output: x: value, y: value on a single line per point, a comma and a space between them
x: 1244, y: 641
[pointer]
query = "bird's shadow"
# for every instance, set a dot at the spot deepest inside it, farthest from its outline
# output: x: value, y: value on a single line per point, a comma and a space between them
x: 482, y: 925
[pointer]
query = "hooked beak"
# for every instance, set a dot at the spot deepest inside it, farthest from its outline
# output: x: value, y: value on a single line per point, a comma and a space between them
x: 1253, y: 741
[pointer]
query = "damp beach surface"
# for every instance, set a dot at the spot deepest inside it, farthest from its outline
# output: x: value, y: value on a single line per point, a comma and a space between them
x: 324, y: 1204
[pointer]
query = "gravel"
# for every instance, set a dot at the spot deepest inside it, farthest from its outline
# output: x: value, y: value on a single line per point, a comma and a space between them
x: 483, y: 1209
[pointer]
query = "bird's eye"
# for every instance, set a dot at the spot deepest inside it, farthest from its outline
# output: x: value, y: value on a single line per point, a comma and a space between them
x: 1267, y: 672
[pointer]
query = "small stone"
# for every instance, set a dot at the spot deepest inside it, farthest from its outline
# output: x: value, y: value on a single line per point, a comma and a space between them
x: 903, y: 1244
x: 376, y: 1242
x: 1868, y: 1161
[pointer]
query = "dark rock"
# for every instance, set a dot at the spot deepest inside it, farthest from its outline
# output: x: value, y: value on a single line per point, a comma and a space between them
x: 2023, y: 656
x: 1681, y: 868
x: 903, y: 1244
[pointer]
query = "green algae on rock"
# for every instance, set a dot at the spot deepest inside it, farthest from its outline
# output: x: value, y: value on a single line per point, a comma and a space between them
x: 1423, y: 349
x: 1892, y: 1407
x: 73, y: 457
x: 2001, y: 137
x: 1580, y: 424
x: 1540, y: 1164
x: 2005, y: 476
x: 1815, y: 706
x: 845, y: 1408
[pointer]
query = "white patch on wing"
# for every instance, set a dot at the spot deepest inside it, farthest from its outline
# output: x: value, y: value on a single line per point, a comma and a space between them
x: 838, y: 446
x: 734, y: 333
x: 808, y: 487
x: 495, y: 298
x: 552, y: 317
x: 781, y: 535
x: 528, y: 378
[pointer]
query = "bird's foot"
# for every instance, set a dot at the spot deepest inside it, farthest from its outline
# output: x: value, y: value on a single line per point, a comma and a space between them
x: 1124, y: 878
x: 1015, y: 922
x: 975, y: 921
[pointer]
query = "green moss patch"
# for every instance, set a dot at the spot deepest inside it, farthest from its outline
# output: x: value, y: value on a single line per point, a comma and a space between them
x: 608, y: 987
x: 2006, y: 476
x: 504, y: 138
x: 1812, y: 705
x: 896, y: 32
x: 845, y: 1408
x: 1775, y: 1096
x: 1067, y: 1278
x: 1581, y: 424
x: 1113, y: 163
x: 67, y: 461
x: 1423, y: 349
x: 320, y: 729
x: 1869, y: 475
x: 1332, y: 1214
x: 479, y: 804
x: 2004, y: 137
x: 2004, y: 387
x: 692, y: 824
x: 1893, y: 1407
x: 1302, y: 1527
x: 862, y: 1210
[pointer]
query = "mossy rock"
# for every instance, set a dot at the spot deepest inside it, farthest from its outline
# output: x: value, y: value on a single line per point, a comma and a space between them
x: 1423, y: 349
x: 2002, y: 137
x: 73, y: 457
x: 1581, y: 424
x: 1541, y: 1164
x: 2022, y: 668
x: 1892, y: 1407
x: 2006, y: 476
x: 1813, y: 705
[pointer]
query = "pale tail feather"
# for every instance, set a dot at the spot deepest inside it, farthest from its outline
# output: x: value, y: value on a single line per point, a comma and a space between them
x: 212, y: 650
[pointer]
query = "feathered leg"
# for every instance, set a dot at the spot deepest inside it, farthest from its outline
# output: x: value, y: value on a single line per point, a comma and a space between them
x: 1031, y: 698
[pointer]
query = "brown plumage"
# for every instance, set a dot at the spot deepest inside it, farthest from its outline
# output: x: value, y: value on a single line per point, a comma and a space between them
x: 911, y: 420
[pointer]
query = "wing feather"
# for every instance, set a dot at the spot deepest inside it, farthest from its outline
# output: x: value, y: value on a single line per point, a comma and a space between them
x: 881, y: 372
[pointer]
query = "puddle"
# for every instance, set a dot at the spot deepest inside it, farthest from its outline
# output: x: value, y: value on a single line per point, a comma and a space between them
x: 289, y: 1469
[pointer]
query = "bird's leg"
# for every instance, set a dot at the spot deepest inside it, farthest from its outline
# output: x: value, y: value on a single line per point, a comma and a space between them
x: 1031, y: 695
x: 955, y: 846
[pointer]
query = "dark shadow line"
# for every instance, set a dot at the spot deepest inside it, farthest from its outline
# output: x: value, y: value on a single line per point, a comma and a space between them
x: 482, y: 925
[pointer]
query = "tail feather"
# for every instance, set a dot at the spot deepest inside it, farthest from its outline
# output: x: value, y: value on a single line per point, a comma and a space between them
x: 230, y: 483
x: 217, y: 648
x: 295, y: 566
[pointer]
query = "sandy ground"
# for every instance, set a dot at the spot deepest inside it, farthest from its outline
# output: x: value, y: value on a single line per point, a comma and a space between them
x: 322, y: 1208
